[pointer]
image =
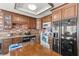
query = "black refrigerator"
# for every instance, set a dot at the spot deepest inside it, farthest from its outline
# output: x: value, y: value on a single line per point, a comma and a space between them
x: 65, y: 37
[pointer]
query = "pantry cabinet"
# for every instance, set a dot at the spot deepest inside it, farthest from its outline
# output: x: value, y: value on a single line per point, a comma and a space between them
x: 69, y: 11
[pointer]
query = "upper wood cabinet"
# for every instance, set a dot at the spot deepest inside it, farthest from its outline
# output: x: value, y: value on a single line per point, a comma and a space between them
x: 24, y: 20
x: 1, y: 21
x: 46, y: 19
x: 32, y: 23
x: 38, y: 24
x: 66, y: 11
x: 56, y: 15
x: 69, y: 11
x: 17, y: 19
x: 7, y: 20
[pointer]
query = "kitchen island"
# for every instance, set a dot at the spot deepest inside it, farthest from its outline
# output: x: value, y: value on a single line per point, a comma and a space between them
x: 7, y: 40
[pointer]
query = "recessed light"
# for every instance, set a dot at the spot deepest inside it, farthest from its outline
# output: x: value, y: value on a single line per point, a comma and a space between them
x: 32, y: 7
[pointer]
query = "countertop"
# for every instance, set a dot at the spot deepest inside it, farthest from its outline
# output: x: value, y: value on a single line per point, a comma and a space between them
x: 13, y: 36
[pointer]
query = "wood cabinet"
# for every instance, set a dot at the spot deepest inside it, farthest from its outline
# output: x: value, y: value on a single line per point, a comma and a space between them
x: 15, y: 18
x: 5, y: 45
x: 16, y: 40
x: 69, y: 11
x: 24, y: 20
x: 7, y: 42
x: 46, y: 19
x: 38, y: 24
x: 7, y: 20
x: 1, y: 21
x: 32, y: 23
x: 56, y: 15
x: 65, y: 12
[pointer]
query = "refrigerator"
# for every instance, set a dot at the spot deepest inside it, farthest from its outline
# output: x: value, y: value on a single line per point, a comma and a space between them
x: 65, y: 37
x: 56, y: 36
x: 69, y: 37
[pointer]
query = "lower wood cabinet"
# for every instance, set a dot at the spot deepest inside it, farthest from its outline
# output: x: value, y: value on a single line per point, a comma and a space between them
x: 5, y: 45
x: 16, y: 40
x: 7, y: 42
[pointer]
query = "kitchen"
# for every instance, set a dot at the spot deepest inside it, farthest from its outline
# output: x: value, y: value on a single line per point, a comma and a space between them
x: 21, y: 23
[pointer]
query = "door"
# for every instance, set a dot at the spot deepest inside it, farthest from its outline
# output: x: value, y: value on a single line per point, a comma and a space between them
x: 68, y: 37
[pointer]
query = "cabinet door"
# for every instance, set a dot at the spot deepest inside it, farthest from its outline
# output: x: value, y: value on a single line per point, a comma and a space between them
x: 16, y: 40
x: 25, y: 20
x: 38, y: 24
x: 46, y: 19
x: 5, y: 45
x: 33, y: 25
x: 69, y: 11
x: 15, y: 18
x: 1, y: 21
x: 29, y: 22
x: 56, y: 15
x: 7, y: 20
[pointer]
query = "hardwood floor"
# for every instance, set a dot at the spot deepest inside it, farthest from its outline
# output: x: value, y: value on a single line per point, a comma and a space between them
x: 33, y: 49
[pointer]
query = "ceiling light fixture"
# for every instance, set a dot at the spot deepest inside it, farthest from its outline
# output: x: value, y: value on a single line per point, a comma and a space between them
x: 32, y: 7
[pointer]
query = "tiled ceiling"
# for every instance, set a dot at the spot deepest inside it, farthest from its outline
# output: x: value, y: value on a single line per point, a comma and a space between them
x: 43, y: 9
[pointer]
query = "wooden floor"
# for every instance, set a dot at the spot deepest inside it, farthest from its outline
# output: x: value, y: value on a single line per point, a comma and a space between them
x: 33, y: 49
